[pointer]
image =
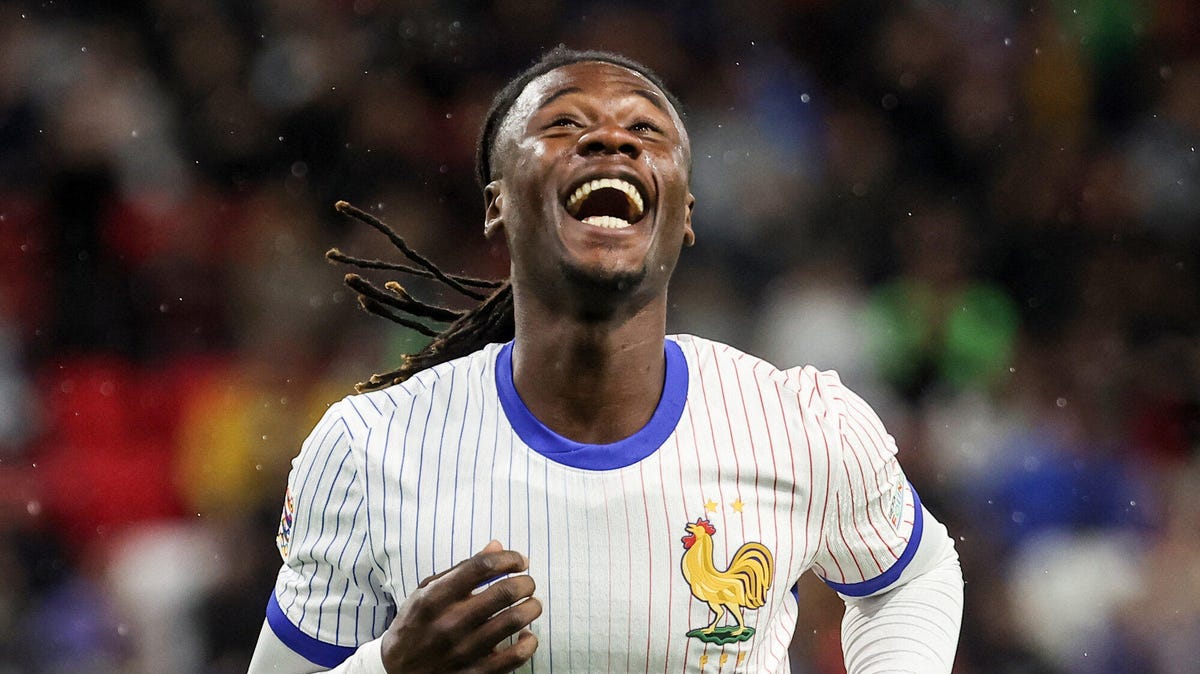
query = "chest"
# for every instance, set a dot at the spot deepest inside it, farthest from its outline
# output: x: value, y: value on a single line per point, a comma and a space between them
x: 606, y: 548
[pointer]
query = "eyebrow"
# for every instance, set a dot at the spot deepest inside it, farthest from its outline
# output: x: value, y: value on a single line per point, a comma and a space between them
x: 558, y: 94
x: 654, y: 98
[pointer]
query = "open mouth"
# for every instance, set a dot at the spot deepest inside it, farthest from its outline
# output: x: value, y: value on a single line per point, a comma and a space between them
x: 612, y: 203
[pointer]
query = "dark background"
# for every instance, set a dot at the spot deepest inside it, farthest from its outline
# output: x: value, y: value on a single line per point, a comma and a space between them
x: 984, y: 214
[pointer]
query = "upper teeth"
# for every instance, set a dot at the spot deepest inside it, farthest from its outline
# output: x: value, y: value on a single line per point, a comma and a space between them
x: 631, y: 193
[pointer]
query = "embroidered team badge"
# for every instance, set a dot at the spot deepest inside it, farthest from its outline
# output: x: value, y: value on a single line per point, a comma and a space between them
x: 283, y: 540
x: 896, y: 511
x: 743, y: 585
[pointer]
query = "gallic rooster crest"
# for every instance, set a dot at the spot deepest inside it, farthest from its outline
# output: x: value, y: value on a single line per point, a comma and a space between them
x: 742, y: 585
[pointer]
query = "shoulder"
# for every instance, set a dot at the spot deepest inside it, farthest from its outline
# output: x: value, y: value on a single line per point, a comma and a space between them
x: 811, y: 387
x: 709, y: 354
x: 425, y: 387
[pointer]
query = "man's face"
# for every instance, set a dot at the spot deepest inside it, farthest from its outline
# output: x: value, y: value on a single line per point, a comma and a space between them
x: 592, y: 184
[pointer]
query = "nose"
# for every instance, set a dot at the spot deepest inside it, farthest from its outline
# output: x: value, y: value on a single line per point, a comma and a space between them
x: 610, y: 138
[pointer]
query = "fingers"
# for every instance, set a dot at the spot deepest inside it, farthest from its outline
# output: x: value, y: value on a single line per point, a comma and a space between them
x: 459, y: 638
x: 482, y: 621
x: 508, y: 659
x: 469, y: 574
x: 454, y: 622
x: 492, y: 547
x: 510, y: 621
x: 494, y: 599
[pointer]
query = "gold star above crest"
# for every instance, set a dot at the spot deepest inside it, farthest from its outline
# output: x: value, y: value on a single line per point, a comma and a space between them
x: 710, y: 507
x: 737, y: 505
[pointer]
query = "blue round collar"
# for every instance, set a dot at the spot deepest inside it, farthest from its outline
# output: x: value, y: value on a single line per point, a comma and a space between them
x: 597, y: 457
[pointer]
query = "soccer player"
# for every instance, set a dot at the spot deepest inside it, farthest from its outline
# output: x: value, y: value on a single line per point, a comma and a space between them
x: 555, y: 483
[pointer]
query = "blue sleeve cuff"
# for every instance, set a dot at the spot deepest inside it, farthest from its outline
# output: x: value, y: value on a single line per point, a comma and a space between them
x: 315, y: 651
x: 890, y: 576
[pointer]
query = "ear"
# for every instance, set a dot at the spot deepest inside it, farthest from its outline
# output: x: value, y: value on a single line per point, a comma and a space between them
x: 493, y: 211
x: 689, y: 236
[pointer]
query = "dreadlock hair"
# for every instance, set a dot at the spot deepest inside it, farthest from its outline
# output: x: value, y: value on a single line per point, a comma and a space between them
x: 492, y: 319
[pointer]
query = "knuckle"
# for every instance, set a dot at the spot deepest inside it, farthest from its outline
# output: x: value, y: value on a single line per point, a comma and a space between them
x: 486, y: 564
x: 515, y: 655
x: 505, y: 592
x: 512, y: 621
x: 444, y: 628
x: 418, y: 603
x: 523, y: 586
x: 534, y: 607
x: 525, y: 649
x: 521, y: 615
x: 456, y: 654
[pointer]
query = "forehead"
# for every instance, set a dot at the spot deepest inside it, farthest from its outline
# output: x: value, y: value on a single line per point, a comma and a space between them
x: 594, y: 77
x: 589, y: 78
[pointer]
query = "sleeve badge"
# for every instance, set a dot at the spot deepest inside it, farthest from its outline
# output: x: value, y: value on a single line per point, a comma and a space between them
x: 283, y: 540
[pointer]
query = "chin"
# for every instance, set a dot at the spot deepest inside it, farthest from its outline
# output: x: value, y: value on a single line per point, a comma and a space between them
x: 601, y: 282
x: 617, y: 280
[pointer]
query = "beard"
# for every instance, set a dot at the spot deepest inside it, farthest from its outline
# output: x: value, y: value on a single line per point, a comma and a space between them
x: 604, y: 291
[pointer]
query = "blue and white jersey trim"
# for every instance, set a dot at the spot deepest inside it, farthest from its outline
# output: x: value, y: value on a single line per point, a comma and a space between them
x: 873, y: 585
x: 313, y: 650
x: 610, y: 456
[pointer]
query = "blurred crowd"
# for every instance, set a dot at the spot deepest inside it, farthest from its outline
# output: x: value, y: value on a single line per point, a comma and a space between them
x: 984, y: 214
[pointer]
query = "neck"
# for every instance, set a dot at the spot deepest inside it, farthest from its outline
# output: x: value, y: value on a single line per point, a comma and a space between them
x: 593, y: 381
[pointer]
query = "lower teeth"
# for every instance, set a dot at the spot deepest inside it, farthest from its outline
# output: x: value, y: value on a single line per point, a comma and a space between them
x: 606, y: 221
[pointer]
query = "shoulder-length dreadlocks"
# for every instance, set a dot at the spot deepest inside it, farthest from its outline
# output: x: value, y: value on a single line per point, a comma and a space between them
x: 492, y: 319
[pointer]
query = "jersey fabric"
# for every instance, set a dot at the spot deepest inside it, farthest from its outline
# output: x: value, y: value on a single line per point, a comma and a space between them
x: 676, y: 549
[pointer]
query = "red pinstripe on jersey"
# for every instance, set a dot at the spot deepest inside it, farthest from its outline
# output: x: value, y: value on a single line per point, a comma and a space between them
x: 436, y: 467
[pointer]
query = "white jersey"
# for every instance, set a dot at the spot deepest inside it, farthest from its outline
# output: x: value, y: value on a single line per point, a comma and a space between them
x: 677, y: 549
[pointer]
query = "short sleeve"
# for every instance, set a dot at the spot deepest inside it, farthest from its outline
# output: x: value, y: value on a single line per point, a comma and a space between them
x: 328, y: 598
x: 874, y: 528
